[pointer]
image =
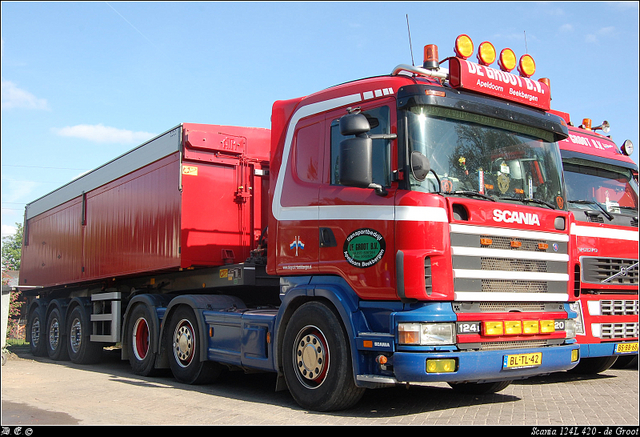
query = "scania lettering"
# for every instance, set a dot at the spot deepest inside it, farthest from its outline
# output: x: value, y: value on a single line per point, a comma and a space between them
x: 354, y: 245
x: 602, y: 195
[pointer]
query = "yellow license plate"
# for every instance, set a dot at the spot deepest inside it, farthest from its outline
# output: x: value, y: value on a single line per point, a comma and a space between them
x: 626, y: 347
x: 522, y: 360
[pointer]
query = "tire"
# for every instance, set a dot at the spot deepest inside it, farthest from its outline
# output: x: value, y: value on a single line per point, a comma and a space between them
x: 140, y: 338
x: 56, y: 342
x: 81, y: 349
x: 36, y: 328
x: 183, y: 346
x: 317, y: 360
x: 625, y: 361
x: 591, y: 366
x: 474, y: 388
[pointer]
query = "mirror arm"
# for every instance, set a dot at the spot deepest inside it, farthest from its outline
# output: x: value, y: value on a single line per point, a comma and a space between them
x: 383, y: 136
x: 379, y: 189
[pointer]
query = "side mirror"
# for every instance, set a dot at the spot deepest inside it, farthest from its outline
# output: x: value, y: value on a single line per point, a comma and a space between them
x: 354, y: 124
x: 356, y: 156
x: 420, y: 166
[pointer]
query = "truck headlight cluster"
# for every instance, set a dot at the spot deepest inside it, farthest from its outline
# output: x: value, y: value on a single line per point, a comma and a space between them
x: 426, y: 334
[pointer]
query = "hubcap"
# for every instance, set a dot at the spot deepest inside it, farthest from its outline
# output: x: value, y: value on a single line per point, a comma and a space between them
x: 140, y: 339
x: 54, y: 334
x: 35, y: 331
x: 311, y: 357
x: 184, y: 343
x: 75, y: 335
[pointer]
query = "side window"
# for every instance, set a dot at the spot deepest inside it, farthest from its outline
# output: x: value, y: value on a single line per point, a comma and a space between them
x: 307, y: 149
x: 380, y: 124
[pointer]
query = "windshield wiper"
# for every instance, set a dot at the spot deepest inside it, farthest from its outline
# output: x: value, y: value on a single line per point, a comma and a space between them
x: 529, y: 200
x: 470, y: 193
x: 606, y: 213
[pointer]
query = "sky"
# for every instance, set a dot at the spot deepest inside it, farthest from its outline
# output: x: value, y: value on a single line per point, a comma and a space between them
x: 83, y: 83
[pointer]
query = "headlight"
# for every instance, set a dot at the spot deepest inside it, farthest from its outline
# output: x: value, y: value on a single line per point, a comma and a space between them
x: 576, y: 307
x: 426, y: 334
x: 570, y: 328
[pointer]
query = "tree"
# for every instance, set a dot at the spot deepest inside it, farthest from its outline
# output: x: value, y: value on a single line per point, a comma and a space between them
x: 11, y: 248
x: 11, y: 251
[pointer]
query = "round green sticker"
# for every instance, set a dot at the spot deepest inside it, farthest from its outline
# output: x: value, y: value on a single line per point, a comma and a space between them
x: 364, y: 248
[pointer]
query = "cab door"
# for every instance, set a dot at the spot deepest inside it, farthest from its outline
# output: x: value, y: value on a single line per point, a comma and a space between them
x: 356, y: 225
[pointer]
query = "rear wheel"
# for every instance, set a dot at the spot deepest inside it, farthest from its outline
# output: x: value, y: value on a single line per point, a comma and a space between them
x: 140, y: 338
x: 591, y: 366
x: 56, y: 342
x: 625, y: 361
x: 480, y: 388
x: 317, y: 360
x: 81, y: 349
x: 183, y: 344
x: 36, y: 328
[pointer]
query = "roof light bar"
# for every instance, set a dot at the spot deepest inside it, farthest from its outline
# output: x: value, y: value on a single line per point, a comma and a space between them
x: 463, y: 46
x: 526, y: 66
x: 507, y: 60
x: 486, y: 53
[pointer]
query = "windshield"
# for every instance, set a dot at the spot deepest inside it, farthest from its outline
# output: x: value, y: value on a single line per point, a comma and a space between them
x: 478, y: 156
x: 610, y: 186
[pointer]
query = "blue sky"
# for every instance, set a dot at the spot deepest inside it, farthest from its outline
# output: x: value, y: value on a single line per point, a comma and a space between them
x: 84, y: 82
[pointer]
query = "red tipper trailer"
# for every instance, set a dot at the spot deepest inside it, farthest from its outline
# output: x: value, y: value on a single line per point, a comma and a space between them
x: 178, y: 201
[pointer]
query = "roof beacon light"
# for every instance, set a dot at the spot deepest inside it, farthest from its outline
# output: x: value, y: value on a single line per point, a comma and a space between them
x: 604, y: 127
x: 463, y: 46
x: 486, y: 53
x: 507, y: 60
x: 526, y: 66
x: 586, y: 124
x: 431, y: 57
x: 627, y: 147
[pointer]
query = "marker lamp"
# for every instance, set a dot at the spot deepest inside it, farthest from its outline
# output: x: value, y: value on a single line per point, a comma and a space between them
x: 463, y: 46
x: 547, y: 326
x: 426, y: 334
x: 513, y: 327
x: 526, y: 66
x: 507, y: 60
x: 486, y: 53
x: 530, y: 327
x: 493, y: 328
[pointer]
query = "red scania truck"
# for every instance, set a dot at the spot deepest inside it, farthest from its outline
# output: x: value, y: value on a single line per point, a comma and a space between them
x: 397, y: 229
x: 602, y: 195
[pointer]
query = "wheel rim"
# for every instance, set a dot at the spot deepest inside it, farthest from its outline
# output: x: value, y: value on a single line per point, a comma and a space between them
x: 75, y: 335
x: 35, y: 331
x: 54, y: 334
x: 311, y: 357
x: 184, y: 343
x: 140, y: 338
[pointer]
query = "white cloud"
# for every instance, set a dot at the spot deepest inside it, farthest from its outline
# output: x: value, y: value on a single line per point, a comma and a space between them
x: 603, y: 31
x: 566, y: 28
x: 8, y: 230
x: 14, y: 97
x: 103, y: 134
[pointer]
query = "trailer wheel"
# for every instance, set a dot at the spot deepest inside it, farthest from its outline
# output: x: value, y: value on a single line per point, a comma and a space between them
x: 474, y: 388
x: 591, y: 366
x: 184, y: 343
x: 317, y: 360
x: 81, y: 349
x: 36, y: 328
x: 140, y: 337
x: 56, y: 342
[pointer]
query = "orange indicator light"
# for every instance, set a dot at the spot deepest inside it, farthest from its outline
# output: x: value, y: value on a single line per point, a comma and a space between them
x: 543, y: 246
x: 486, y: 241
x: 515, y: 244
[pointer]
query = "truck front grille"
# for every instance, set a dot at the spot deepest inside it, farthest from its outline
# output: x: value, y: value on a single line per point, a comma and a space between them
x: 619, y: 330
x: 619, y: 307
x: 617, y: 271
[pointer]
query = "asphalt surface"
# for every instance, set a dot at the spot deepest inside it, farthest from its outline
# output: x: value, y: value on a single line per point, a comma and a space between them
x: 38, y: 391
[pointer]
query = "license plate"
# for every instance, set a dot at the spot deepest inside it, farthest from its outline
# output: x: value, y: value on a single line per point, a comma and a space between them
x: 624, y: 348
x: 522, y: 360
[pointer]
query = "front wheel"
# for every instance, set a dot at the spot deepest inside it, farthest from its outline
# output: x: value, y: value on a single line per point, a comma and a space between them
x: 317, y: 360
x: 594, y: 365
x: 183, y: 344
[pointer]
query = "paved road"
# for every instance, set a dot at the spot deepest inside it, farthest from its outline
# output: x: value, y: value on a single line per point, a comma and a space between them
x: 38, y: 391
